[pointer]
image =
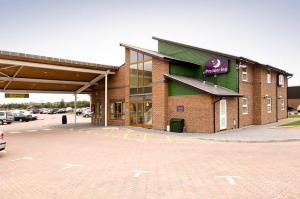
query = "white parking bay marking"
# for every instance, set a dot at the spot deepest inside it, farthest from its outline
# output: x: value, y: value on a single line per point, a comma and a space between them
x: 69, y: 166
x: 22, y: 158
x: 47, y: 129
x: 15, y: 132
x: 137, y: 173
x: 31, y: 130
x: 230, y: 179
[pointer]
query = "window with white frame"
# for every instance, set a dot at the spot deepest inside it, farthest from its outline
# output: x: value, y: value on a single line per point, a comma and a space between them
x: 269, y: 105
x: 245, y: 105
x: 281, y: 80
x: 244, y: 73
x: 282, y: 104
x: 269, y: 77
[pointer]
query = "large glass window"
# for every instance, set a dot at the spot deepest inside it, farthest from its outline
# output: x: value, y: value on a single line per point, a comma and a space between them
x: 140, y: 73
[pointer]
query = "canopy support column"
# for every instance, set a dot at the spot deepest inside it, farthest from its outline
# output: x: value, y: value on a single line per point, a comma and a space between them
x: 75, y: 108
x: 105, y: 103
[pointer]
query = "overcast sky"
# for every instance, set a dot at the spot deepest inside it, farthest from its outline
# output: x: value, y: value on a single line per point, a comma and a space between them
x: 266, y: 31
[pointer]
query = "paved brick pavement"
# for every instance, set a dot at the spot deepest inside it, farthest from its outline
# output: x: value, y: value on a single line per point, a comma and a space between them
x: 125, y: 163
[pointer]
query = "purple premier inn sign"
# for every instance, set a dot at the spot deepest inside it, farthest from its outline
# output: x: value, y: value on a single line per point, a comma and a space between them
x: 216, y: 66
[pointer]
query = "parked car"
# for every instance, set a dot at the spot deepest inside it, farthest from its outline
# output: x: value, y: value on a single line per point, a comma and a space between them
x: 78, y: 111
x: 36, y: 111
x: 2, y: 142
x: 298, y: 109
x: 53, y: 111
x: 34, y: 116
x: 62, y: 110
x: 6, y: 117
x: 22, y: 115
x: 44, y: 111
x: 87, y: 113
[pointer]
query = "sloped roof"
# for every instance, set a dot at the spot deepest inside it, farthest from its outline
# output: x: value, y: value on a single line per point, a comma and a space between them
x: 157, y: 54
x: 225, y: 55
x: 202, y: 85
x: 52, y: 60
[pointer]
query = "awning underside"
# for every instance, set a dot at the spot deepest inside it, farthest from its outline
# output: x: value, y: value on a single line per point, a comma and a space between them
x: 203, y: 86
x: 25, y: 76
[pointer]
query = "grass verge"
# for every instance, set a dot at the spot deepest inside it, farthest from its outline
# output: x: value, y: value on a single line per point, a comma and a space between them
x: 295, y: 123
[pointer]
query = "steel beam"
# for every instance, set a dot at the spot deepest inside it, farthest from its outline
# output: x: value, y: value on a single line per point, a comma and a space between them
x: 53, y: 67
x: 40, y: 91
x: 90, y: 83
x: 51, y: 81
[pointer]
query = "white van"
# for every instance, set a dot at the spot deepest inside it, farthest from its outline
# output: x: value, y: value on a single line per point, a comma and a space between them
x: 6, y: 117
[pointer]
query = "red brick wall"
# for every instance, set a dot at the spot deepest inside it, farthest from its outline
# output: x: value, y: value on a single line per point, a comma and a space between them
x: 198, y: 112
x: 159, y: 94
x: 247, y: 89
x: 282, y: 93
x: 256, y: 88
x: 116, y: 91
x: 232, y: 115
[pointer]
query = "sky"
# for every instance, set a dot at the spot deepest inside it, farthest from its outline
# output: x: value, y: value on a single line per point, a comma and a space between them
x: 263, y: 30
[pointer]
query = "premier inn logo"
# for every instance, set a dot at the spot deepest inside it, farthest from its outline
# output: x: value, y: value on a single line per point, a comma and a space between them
x: 216, y: 66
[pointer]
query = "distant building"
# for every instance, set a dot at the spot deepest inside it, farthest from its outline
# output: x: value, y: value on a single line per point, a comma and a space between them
x: 294, y: 96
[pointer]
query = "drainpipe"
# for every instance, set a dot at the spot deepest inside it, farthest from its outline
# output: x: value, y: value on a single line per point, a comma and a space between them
x: 287, y: 97
x: 214, y: 107
x: 276, y: 97
x: 238, y: 98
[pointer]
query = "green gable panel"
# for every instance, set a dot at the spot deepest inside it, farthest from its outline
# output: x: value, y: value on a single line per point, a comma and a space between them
x: 176, y: 88
x: 177, y: 69
x: 228, y: 80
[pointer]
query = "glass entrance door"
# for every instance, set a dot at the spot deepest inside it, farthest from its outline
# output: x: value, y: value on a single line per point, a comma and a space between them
x: 141, y: 114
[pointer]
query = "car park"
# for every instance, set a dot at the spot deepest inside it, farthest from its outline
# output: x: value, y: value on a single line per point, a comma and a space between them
x: 2, y: 142
x: 6, y: 117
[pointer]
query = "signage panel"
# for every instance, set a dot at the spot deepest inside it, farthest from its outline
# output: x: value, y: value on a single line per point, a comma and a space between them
x: 180, y: 108
x: 216, y: 66
x: 16, y: 95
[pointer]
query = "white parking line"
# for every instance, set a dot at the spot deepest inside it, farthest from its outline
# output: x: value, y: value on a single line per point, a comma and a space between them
x: 15, y: 132
x: 22, y: 158
x: 69, y: 166
x: 230, y: 179
x: 137, y: 173
x: 46, y: 129
x: 31, y: 130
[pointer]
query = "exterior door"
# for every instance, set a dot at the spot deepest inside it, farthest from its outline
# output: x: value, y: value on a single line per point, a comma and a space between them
x: 223, y: 114
x: 141, y: 114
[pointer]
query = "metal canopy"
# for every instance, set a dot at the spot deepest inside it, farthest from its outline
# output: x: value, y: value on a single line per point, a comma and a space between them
x: 25, y: 73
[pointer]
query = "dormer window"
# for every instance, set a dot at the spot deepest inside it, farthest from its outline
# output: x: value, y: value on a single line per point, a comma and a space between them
x: 269, y: 77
